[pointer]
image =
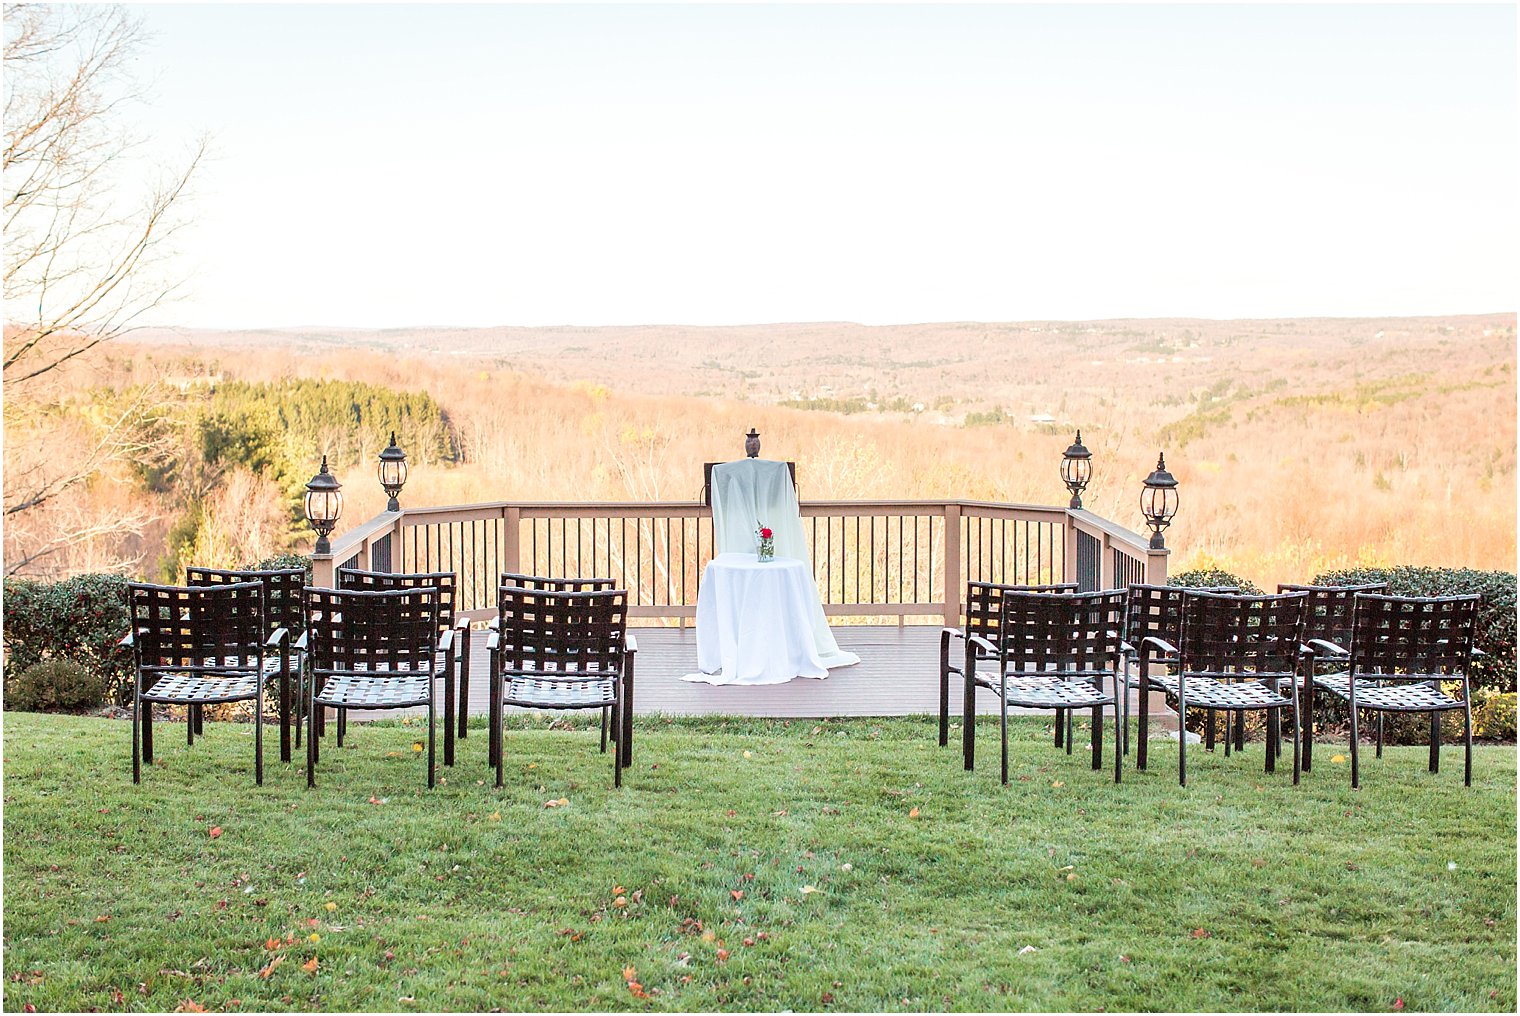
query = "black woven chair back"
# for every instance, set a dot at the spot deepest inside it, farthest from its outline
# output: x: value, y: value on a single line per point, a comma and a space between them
x: 283, y: 606
x: 199, y: 629
x: 373, y: 631
x: 444, y: 582
x: 1253, y: 636
x: 984, y: 604
x: 553, y: 633
x: 1328, y: 614
x: 1156, y: 611
x: 567, y: 585
x: 1070, y: 632
x: 1414, y: 636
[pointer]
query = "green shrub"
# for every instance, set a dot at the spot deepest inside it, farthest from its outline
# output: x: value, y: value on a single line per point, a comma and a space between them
x: 1494, y: 715
x: 1496, y: 618
x: 78, y: 619
x: 1199, y: 577
x: 53, y: 685
x: 285, y: 561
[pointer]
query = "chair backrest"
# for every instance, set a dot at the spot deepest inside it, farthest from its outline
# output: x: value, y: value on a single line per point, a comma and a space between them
x: 283, y: 607
x: 1413, y: 635
x: 555, y: 633
x: 1328, y: 613
x: 1072, y: 632
x: 1250, y: 635
x: 445, y: 582
x: 1156, y: 611
x: 568, y: 585
x: 983, y: 608
x: 197, y: 628
x: 373, y: 631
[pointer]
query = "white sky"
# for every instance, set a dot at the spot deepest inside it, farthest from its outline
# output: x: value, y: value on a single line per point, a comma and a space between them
x: 385, y: 166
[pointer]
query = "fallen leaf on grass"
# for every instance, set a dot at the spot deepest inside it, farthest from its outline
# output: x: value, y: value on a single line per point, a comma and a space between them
x: 271, y: 967
x: 1027, y: 949
x: 1398, y: 1004
x: 809, y: 889
x: 1202, y: 933
x: 737, y: 894
x: 1058, y: 783
x: 722, y: 955
x: 215, y: 832
x: 102, y: 919
x: 913, y: 812
x: 749, y: 754
x: 310, y: 966
x: 1337, y: 759
x: 331, y: 906
x: 560, y: 803
x: 188, y: 1005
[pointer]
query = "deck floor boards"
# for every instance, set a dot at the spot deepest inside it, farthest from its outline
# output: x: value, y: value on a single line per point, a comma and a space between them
x: 898, y: 675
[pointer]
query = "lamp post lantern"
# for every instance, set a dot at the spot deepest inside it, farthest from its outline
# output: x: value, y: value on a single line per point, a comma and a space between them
x: 1076, y: 469
x: 1158, y: 501
x: 392, y: 472
x: 752, y: 443
x: 324, y: 505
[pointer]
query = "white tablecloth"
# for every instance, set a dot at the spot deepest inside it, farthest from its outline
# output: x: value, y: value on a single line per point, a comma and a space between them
x: 755, y: 622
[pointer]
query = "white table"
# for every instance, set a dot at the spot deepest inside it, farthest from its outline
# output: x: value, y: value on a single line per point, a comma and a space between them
x: 755, y: 622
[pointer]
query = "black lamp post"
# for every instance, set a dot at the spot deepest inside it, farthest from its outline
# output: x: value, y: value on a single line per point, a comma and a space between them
x: 1158, y: 501
x: 1076, y: 470
x: 324, y: 505
x: 393, y: 472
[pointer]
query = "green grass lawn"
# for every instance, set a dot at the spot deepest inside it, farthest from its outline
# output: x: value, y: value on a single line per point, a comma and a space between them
x: 746, y: 865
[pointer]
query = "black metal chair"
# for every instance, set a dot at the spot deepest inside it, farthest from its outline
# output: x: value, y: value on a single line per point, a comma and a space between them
x: 451, y: 630
x: 564, y: 585
x: 1327, y: 628
x: 1153, y: 620
x: 563, y: 650
x: 1053, y: 651
x: 196, y: 646
x: 1237, y: 651
x: 981, y: 613
x: 1402, y: 648
x: 372, y: 650
x: 284, y: 617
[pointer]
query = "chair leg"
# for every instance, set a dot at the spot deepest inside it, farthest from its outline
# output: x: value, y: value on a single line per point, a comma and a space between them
x: 136, y: 738
x: 1182, y: 739
x: 464, y: 683
x: 1356, y: 773
x: 189, y: 725
x: 1274, y: 720
x: 1307, y: 724
x: 1003, y: 733
x: 1121, y: 693
x: 448, y: 711
x: 498, y: 729
x: 285, y: 708
x: 1435, y: 739
x: 1097, y: 737
x: 1380, y: 736
x: 258, y: 735
x: 625, y: 707
x: 342, y: 725
x: 1208, y: 732
x: 299, y: 719
x: 1121, y: 732
x: 1145, y: 716
x: 617, y: 757
x: 944, y: 689
x: 200, y: 719
x: 147, y: 731
x: 604, y: 730
x: 1294, y: 733
x: 1071, y: 728
x: 1467, y: 735
x: 433, y: 735
x: 968, y: 719
x: 1060, y: 727
x: 1240, y: 730
x: 311, y: 747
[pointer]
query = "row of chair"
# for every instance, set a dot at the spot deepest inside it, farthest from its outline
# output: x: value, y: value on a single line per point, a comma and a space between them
x: 1052, y: 647
x: 380, y: 641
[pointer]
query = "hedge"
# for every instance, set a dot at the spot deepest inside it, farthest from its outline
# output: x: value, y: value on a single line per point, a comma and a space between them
x: 79, y: 619
x: 1211, y: 578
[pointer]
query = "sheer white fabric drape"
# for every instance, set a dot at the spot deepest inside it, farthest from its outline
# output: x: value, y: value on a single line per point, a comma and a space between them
x: 751, y: 493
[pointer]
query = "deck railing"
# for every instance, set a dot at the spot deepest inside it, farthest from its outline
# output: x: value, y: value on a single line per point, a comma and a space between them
x: 875, y: 560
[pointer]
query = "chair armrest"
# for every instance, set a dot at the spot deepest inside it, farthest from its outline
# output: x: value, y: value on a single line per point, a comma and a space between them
x: 301, y: 641
x: 1327, y: 646
x: 977, y: 640
x: 630, y: 644
x: 126, y: 640
x: 276, y: 637
x: 493, y: 641
x: 462, y: 624
x: 1478, y: 652
x: 1159, y: 644
x: 446, y: 641
x: 494, y: 622
x: 953, y: 633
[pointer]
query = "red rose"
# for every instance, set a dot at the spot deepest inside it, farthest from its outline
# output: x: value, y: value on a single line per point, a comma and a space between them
x: 765, y: 534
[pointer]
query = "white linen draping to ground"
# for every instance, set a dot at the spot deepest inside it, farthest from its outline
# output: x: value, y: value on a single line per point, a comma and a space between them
x: 746, y: 495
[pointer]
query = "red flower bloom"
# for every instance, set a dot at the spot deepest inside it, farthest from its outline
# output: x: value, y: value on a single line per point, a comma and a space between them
x: 765, y: 534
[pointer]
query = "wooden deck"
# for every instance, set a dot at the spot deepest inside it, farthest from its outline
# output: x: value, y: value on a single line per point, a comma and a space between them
x: 898, y: 675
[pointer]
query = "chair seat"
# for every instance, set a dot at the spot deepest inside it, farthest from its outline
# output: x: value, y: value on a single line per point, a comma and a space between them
x: 548, y: 693
x: 391, y: 690
x: 1211, y: 693
x: 1401, y: 697
x: 178, y: 686
x: 1051, y: 692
